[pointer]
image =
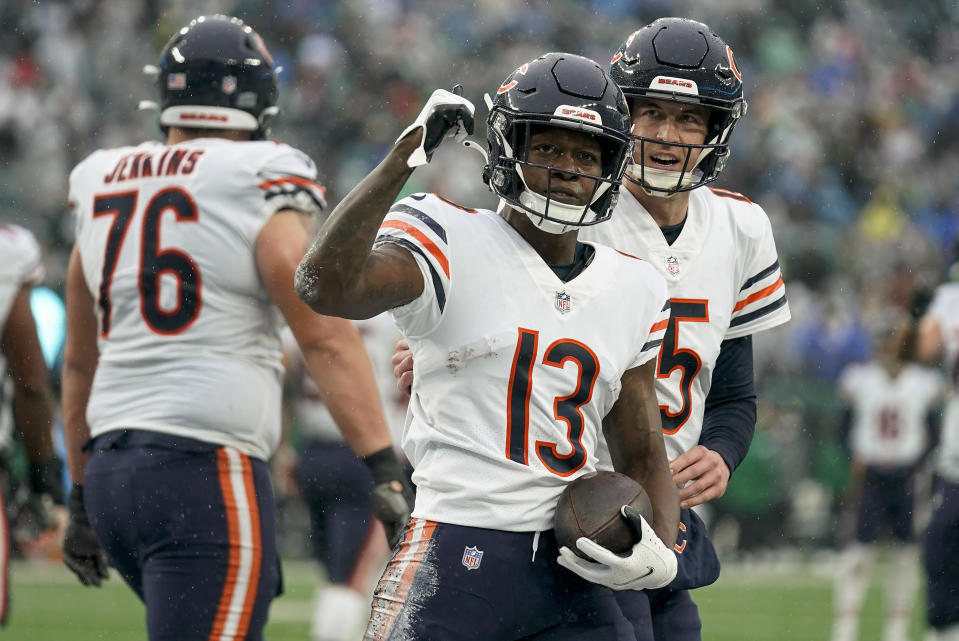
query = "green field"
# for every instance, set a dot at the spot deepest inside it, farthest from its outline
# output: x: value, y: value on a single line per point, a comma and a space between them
x: 775, y: 604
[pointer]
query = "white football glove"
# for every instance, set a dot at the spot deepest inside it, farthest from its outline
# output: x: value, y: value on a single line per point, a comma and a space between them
x: 650, y: 564
x: 445, y: 115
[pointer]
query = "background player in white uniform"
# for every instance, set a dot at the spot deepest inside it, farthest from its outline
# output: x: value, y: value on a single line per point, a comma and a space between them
x: 526, y: 341
x: 939, y: 336
x: 337, y: 489
x: 22, y: 357
x: 177, y: 287
x: 717, y: 253
x: 890, y: 400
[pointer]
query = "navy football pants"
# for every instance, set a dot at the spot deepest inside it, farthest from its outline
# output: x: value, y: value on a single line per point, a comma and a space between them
x: 337, y: 489
x: 191, y: 530
x: 455, y: 583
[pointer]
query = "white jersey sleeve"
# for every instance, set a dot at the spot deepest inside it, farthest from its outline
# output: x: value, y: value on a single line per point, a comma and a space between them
x: 20, y: 265
x: 288, y: 180
x: 761, y: 301
x: 414, y: 223
x: 944, y: 308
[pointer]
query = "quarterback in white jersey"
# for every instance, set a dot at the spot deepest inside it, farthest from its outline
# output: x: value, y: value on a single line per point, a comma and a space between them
x: 529, y: 347
x: 178, y: 284
x: 724, y: 283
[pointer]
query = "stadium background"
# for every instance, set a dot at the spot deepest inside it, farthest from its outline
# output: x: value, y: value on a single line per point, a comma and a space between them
x: 849, y: 144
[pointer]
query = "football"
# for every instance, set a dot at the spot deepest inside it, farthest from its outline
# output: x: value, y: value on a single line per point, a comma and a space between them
x: 589, y: 506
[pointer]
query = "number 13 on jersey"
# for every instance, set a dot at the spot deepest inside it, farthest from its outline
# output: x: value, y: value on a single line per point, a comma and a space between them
x: 565, y: 408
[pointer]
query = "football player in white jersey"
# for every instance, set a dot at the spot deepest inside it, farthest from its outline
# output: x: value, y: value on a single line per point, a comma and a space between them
x: 717, y: 253
x: 939, y: 336
x: 177, y: 288
x: 890, y: 399
x: 529, y: 345
x: 31, y: 402
x: 337, y: 489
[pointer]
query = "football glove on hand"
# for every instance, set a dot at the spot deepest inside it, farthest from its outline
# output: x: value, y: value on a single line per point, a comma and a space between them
x: 392, y: 494
x: 445, y: 115
x: 650, y: 564
x: 81, y: 549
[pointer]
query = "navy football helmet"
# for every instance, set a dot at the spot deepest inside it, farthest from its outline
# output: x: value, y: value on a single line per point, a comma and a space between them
x: 216, y: 73
x: 556, y: 90
x: 682, y: 60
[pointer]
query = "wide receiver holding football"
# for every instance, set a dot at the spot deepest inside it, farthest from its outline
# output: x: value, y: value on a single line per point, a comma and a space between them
x: 530, y: 347
x: 182, y: 268
x: 716, y: 251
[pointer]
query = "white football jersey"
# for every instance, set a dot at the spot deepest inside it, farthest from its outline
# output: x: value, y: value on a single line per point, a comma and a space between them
x: 313, y: 418
x: 889, y: 413
x: 514, y: 369
x: 19, y: 265
x: 188, y: 338
x: 945, y: 309
x: 724, y: 282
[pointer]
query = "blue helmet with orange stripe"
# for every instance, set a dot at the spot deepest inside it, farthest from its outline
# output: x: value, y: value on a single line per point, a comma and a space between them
x: 683, y: 61
x: 556, y: 90
x: 216, y: 73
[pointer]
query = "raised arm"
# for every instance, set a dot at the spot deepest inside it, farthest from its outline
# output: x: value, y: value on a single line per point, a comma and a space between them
x: 342, y: 274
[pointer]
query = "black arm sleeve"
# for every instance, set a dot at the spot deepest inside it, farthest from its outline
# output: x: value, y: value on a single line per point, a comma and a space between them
x: 730, y: 416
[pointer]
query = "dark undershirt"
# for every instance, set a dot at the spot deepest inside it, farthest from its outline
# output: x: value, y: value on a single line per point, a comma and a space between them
x: 581, y: 259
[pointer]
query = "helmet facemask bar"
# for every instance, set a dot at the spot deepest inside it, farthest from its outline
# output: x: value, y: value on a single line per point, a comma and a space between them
x: 511, y: 136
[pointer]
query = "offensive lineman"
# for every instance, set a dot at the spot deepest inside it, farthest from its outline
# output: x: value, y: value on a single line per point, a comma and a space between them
x: 523, y: 350
x: 185, y: 252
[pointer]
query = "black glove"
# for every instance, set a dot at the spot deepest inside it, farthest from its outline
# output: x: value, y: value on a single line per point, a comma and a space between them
x: 392, y: 493
x: 81, y: 549
x: 47, y: 478
x: 919, y: 302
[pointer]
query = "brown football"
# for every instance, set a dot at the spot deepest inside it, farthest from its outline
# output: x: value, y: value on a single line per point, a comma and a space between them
x: 589, y: 506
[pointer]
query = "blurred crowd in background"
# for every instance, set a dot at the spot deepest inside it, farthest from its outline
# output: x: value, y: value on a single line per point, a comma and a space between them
x: 849, y: 143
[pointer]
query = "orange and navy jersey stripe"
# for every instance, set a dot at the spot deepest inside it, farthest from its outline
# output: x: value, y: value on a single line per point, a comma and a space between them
x: 409, y: 225
x: 657, y: 331
x: 237, y: 600
x: 761, y: 295
x: 290, y: 186
x: 725, y: 193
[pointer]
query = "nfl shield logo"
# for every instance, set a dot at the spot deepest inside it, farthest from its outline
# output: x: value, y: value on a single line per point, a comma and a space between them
x: 472, y: 558
x: 562, y: 302
x: 228, y: 85
x: 672, y: 265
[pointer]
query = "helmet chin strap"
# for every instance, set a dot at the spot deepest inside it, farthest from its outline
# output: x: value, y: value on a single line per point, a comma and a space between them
x: 538, y: 203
